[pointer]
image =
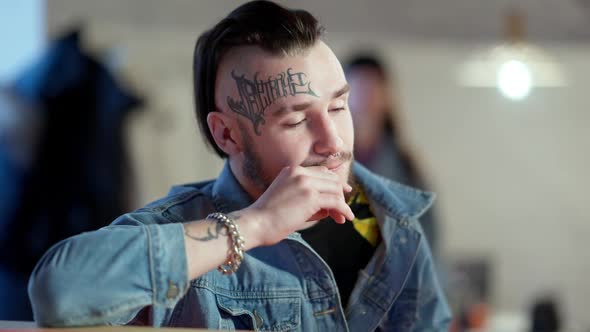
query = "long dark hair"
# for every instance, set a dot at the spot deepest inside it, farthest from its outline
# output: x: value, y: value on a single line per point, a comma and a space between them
x: 390, y: 122
x: 368, y: 61
x: 273, y: 28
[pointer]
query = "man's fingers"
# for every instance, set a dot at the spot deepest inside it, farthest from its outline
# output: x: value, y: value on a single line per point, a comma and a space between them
x: 316, y: 172
x: 320, y: 188
x: 337, y: 217
x: 321, y: 185
x: 321, y: 214
x: 336, y: 205
x: 319, y: 172
x: 334, y: 214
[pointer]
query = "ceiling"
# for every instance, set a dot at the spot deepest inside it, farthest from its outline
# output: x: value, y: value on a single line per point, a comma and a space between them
x: 547, y: 20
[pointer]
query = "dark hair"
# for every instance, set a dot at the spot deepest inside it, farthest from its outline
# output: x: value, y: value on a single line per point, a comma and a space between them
x: 369, y: 61
x: 390, y: 123
x: 275, y: 29
x: 366, y: 61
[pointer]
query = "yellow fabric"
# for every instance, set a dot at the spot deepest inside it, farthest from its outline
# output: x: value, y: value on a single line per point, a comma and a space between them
x: 368, y: 227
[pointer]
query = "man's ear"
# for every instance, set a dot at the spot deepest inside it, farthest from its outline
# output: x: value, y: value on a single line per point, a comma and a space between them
x: 224, y: 130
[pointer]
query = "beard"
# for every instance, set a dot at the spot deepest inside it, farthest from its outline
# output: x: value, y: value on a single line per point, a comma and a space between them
x: 253, y: 170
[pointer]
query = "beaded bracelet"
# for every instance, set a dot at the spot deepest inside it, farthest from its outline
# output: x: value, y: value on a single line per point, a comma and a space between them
x: 236, y: 252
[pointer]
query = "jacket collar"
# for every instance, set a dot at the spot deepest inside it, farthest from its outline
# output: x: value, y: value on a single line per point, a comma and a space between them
x: 228, y: 194
x: 398, y: 201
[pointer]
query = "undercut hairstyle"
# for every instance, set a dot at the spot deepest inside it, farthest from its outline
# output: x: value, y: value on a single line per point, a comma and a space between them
x: 273, y: 28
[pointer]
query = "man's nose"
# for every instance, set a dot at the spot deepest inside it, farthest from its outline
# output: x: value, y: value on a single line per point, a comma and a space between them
x: 327, y: 140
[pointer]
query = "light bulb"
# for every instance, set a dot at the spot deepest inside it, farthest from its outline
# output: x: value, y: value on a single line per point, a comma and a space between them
x: 514, y: 80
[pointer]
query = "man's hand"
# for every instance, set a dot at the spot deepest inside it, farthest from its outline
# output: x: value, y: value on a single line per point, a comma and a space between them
x: 296, y: 196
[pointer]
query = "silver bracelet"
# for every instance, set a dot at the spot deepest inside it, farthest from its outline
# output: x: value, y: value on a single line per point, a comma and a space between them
x: 236, y: 252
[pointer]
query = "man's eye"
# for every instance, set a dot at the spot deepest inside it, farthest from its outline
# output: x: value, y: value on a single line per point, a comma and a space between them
x: 293, y: 125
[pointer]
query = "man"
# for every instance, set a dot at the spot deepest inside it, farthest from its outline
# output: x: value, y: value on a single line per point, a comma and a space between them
x: 271, y: 97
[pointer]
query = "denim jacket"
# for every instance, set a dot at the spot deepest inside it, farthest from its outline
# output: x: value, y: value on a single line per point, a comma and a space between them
x: 134, y: 271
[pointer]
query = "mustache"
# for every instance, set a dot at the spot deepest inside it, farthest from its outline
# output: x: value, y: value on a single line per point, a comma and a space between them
x: 342, y: 156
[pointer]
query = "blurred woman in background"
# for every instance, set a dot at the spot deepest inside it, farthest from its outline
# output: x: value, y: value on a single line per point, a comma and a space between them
x: 379, y: 144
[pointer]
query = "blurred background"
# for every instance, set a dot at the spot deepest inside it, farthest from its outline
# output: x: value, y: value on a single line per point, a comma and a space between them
x: 490, y: 100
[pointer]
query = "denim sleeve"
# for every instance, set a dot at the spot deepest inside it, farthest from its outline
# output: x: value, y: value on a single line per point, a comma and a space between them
x: 107, y: 276
x: 433, y: 309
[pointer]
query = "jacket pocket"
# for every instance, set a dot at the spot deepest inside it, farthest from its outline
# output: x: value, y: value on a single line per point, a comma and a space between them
x: 259, y: 312
x: 404, y: 312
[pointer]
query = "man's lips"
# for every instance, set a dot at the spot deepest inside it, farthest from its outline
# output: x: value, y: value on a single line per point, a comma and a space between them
x: 335, y: 165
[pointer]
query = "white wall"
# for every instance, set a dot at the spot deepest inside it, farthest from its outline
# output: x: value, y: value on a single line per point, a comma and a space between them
x: 512, y: 177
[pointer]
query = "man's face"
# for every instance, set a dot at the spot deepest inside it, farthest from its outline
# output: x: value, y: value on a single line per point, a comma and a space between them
x: 290, y: 111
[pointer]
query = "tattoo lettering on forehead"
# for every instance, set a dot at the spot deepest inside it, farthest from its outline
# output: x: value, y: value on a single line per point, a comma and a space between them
x: 257, y: 94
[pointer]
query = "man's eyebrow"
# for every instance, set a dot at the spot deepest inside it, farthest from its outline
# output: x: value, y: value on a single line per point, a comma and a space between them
x: 294, y: 108
x: 280, y: 111
x: 303, y: 106
x: 341, y: 91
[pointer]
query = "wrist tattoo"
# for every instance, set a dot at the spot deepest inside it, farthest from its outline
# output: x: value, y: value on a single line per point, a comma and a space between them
x: 214, y: 230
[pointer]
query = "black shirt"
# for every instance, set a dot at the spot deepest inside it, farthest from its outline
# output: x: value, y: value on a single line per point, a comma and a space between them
x: 342, y: 247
